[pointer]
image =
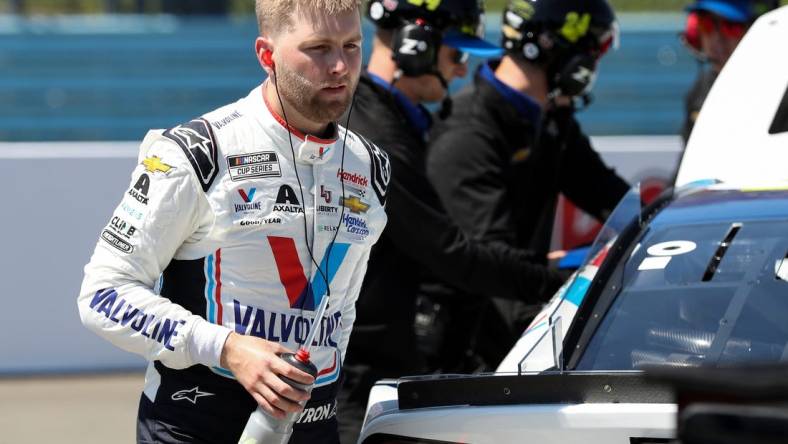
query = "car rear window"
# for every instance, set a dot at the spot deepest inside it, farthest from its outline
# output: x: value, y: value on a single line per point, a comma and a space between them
x: 711, y: 294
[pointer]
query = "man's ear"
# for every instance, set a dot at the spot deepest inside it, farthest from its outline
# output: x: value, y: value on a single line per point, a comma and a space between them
x: 264, y: 50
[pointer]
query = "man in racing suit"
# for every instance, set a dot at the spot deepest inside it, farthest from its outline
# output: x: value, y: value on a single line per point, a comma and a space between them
x: 512, y: 143
x: 251, y: 215
x: 420, y: 239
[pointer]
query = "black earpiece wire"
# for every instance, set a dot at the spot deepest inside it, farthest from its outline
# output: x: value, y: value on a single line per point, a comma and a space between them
x: 301, y: 190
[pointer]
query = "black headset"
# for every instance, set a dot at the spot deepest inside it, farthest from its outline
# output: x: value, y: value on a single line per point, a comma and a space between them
x: 415, y: 47
x: 570, y: 71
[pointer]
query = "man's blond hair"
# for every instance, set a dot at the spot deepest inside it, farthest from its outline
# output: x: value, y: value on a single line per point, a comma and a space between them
x: 275, y: 15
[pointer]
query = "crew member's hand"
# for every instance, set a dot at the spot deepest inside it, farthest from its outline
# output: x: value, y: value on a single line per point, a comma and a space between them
x: 556, y: 255
x: 256, y: 364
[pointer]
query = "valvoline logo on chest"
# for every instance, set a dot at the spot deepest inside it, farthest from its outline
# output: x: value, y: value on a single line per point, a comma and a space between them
x: 247, y: 196
x: 301, y: 293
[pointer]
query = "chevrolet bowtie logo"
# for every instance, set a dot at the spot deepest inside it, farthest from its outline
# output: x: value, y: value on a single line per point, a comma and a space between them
x: 355, y: 205
x: 154, y: 164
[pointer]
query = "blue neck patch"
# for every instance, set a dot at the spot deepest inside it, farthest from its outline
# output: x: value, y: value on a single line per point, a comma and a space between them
x: 525, y: 106
x: 417, y: 115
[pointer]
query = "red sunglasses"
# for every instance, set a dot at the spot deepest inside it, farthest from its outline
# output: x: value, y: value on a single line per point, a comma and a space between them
x: 707, y: 23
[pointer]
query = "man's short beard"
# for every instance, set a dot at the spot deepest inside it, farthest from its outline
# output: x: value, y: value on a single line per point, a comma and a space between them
x: 302, y: 95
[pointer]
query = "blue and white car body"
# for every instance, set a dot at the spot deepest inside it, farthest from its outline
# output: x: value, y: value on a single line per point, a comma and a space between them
x: 698, y: 277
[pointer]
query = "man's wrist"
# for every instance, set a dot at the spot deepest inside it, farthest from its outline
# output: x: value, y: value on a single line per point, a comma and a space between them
x: 207, y: 342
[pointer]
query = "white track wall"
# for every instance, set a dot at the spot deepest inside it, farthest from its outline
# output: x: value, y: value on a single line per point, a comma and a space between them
x: 55, y: 199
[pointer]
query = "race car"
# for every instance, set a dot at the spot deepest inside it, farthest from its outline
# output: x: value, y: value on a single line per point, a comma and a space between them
x: 698, y: 277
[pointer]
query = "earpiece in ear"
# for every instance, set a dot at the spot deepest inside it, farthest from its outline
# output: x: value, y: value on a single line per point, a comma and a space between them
x: 268, y: 58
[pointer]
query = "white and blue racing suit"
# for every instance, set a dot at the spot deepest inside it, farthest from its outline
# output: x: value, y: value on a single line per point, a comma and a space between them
x: 216, y: 211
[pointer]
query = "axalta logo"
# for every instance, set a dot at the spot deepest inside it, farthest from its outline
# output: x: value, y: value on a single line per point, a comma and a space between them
x: 140, y: 189
x: 286, y: 201
x: 353, y: 178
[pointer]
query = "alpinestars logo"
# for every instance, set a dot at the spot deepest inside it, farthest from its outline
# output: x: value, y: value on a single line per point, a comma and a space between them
x: 301, y: 293
x: 190, y: 395
x: 196, y: 139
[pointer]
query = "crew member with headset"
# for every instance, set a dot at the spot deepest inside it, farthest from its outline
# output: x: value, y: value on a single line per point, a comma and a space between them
x: 713, y: 30
x: 418, y: 49
x: 512, y: 143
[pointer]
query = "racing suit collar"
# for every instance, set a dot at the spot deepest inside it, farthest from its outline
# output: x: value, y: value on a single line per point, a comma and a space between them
x: 308, y: 148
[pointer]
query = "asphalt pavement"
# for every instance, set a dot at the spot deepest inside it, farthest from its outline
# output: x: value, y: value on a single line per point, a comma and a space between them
x: 85, y: 409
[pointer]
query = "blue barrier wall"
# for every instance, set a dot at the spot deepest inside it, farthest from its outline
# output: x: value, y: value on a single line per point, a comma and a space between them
x: 113, y: 77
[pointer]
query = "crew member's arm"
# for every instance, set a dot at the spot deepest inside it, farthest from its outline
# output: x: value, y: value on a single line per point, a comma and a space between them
x: 418, y: 222
x: 470, y: 183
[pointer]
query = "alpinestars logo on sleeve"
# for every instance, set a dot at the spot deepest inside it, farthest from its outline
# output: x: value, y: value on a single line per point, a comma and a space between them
x: 197, y: 141
x: 381, y: 169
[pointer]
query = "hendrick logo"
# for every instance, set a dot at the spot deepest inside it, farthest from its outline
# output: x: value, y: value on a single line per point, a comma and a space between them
x: 113, y: 239
x: 260, y: 164
x: 356, y: 225
x: 354, y: 178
